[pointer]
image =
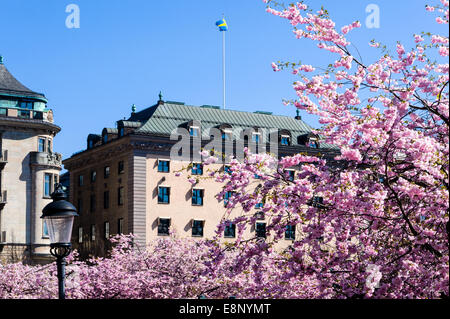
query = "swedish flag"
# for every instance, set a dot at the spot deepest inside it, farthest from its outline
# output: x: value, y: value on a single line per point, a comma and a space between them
x: 222, y: 24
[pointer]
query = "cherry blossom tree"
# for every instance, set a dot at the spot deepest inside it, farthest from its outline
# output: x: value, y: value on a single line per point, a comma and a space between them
x: 380, y: 228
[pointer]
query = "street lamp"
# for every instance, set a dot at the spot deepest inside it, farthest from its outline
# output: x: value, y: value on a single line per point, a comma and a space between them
x: 59, y: 216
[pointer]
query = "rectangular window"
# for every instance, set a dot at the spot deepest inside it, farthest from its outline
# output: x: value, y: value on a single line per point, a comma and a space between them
x: 80, y: 206
x: 317, y: 201
x: 259, y: 205
x: 163, y: 166
x: 260, y: 229
x: 256, y: 137
x: 47, y: 185
x: 163, y: 195
x: 120, y: 226
x: 227, y: 169
x: 92, y: 205
x: 290, y: 175
x: 41, y: 144
x: 227, y: 197
x: 49, y: 145
x: 285, y: 140
x: 197, y: 197
x: 194, y: 131
x: 80, y: 235
x: 120, y: 196
x: 106, y: 199
x: 230, y: 230
x: 106, y: 228
x: 106, y: 172
x: 92, y: 232
x: 197, y: 228
x: 93, y: 176
x: 163, y: 226
x: 197, y: 169
x: 80, y: 180
x: 121, y: 167
x: 44, y: 229
x: 290, y: 232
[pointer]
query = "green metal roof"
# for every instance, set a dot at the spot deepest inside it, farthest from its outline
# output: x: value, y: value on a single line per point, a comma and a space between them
x: 165, y: 118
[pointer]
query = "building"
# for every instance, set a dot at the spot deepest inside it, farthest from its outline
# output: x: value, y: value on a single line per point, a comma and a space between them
x: 28, y: 170
x: 125, y: 180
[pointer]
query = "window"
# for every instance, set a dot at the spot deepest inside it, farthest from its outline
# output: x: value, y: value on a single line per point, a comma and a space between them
x: 259, y: 205
x: 313, y: 143
x: 290, y: 175
x: 227, y: 169
x: 290, y: 232
x: 260, y: 216
x: 121, y: 131
x: 120, y: 226
x: 105, y: 138
x: 120, y: 196
x: 26, y: 105
x: 92, y: 232
x: 256, y: 176
x: 285, y: 140
x: 93, y: 176
x: 226, y: 134
x: 197, y: 228
x: 44, y: 229
x: 80, y: 235
x: 106, y: 229
x: 91, y: 144
x: 163, y: 195
x: 41, y: 144
x: 163, y: 166
x: 317, y: 201
x: 92, y: 205
x: 226, y: 198
x: 197, y: 169
x: 120, y: 167
x: 47, y: 185
x: 106, y: 199
x: 163, y: 226
x: 49, y: 145
x: 106, y: 172
x: 256, y: 137
x: 197, y: 197
x: 194, y: 131
x: 80, y: 180
x: 260, y: 229
x: 230, y: 230
x: 80, y: 206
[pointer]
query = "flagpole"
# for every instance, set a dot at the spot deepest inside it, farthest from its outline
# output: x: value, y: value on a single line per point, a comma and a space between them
x: 223, y: 66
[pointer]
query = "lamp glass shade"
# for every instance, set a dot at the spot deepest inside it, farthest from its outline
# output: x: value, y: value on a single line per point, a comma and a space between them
x: 60, y: 229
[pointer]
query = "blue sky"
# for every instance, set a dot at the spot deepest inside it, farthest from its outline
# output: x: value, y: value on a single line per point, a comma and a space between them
x: 125, y: 52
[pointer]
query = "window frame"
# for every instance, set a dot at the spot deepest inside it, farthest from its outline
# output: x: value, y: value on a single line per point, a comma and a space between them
x: 162, y: 168
x: 167, y: 228
x: 200, y: 229
x: 198, y: 194
x: 163, y: 195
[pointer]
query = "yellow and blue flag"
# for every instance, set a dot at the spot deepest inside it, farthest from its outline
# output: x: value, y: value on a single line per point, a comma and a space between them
x: 222, y: 24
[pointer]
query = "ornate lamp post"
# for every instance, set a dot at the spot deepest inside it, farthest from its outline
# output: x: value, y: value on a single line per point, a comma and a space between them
x: 59, y: 216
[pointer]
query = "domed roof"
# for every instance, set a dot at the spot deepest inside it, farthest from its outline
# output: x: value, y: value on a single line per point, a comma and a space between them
x: 10, y: 86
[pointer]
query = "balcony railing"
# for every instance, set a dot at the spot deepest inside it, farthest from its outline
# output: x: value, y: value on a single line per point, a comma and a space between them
x: 46, y: 159
x: 23, y: 113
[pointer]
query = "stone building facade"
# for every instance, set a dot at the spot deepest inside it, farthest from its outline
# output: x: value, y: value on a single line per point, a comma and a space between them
x: 29, y: 170
x: 125, y: 180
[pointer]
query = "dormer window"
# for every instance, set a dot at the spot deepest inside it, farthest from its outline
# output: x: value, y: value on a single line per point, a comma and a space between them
x: 256, y: 137
x: 105, y: 138
x: 285, y: 140
x: 227, y: 134
x: 313, y: 142
x: 121, y: 131
x: 194, y: 131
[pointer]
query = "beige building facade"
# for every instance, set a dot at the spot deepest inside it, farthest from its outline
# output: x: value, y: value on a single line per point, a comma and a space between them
x: 126, y: 180
x: 29, y: 170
